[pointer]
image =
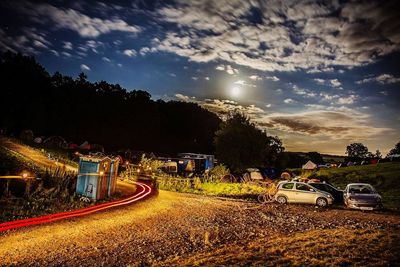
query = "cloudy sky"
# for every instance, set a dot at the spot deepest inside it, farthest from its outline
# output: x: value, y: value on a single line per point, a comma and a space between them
x: 319, y: 74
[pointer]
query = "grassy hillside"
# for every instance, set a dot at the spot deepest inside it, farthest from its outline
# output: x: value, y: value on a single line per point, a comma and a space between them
x: 385, y: 177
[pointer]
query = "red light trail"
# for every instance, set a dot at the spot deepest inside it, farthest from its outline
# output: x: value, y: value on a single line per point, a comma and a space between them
x: 145, y: 190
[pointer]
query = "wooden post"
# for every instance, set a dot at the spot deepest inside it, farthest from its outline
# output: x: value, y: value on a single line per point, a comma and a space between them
x: 7, y: 188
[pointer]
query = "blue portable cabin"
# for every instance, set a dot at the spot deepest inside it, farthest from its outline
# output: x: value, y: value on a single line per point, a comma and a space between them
x: 97, y: 176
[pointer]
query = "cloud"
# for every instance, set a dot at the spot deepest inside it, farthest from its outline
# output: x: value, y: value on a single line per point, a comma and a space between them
x: 382, y: 79
x: 145, y: 50
x: 68, y: 18
x: 347, y: 100
x: 66, y: 54
x: 255, y: 78
x: 55, y: 52
x: 303, y: 92
x: 31, y: 41
x: 106, y: 59
x: 184, y: 98
x: 129, y: 52
x: 228, y: 68
x: 332, y: 124
x: 85, y: 67
x: 272, y: 78
x: 316, y: 122
x: 297, y: 35
x: 333, y: 82
x: 288, y: 101
x: 244, y: 83
x: 67, y: 45
x: 385, y: 93
x: 319, y: 81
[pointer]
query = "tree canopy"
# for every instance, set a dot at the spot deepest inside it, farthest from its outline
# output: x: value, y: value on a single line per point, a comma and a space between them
x: 357, y: 151
x: 100, y: 112
x: 395, y: 150
x: 240, y: 144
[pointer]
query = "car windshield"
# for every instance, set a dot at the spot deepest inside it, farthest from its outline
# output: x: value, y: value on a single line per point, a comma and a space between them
x: 361, y: 189
x: 323, y: 187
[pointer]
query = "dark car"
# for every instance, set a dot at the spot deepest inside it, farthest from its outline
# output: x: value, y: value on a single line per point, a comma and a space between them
x: 362, y: 196
x: 336, y: 193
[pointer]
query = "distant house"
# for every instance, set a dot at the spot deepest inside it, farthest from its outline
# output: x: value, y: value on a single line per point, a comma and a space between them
x: 97, y: 176
x: 309, y: 165
x: 187, y: 163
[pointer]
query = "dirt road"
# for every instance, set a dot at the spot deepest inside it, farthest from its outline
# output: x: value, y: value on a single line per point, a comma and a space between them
x: 173, y: 227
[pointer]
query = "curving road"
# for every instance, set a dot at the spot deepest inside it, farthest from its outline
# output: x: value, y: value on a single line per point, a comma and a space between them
x: 142, y: 190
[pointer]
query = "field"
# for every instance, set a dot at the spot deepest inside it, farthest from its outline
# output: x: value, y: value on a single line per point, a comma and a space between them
x: 385, y: 177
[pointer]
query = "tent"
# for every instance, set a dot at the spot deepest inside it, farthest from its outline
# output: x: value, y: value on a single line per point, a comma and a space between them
x: 309, y: 166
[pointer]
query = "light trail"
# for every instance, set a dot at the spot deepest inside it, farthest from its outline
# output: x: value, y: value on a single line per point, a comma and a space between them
x: 145, y: 191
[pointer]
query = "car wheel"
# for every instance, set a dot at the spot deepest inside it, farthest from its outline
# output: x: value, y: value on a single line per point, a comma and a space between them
x: 281, y: 200
x: 322, y: 202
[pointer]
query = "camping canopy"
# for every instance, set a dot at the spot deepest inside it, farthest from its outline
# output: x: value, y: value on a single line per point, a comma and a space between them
x: 310, y: 165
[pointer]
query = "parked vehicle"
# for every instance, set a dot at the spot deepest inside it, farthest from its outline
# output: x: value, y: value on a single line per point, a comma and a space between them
x: 298, y: 192
x: 362, y: 196
x: 328, y: 188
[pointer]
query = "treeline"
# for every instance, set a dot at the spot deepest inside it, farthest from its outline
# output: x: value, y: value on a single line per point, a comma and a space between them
x: 102, y: 113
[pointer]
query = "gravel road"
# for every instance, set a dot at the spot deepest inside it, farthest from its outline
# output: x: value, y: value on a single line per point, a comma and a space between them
x: 170, y: 225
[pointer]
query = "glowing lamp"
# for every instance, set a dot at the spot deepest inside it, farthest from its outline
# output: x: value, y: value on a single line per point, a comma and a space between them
x: 101, y: 173
x: 24, y: 175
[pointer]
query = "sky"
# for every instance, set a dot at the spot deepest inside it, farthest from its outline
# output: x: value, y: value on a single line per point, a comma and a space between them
x: 318, y: 74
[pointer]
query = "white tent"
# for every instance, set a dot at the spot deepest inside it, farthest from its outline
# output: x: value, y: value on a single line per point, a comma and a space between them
x: 309, y: 165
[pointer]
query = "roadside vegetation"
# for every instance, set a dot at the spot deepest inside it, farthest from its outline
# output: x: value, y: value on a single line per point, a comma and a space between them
x: 44, y: 191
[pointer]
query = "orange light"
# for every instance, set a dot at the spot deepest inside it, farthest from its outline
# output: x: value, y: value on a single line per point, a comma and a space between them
x: 138, y: 170
x: 24, y: 175
x: 101, y: 173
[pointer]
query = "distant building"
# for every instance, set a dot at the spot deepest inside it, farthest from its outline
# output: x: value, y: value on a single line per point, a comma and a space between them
x: 309, y: 165
x: 97, y: 176
x: 187, y: 163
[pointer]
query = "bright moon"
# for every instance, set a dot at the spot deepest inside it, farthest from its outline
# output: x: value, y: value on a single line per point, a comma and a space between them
x: 235, y: 91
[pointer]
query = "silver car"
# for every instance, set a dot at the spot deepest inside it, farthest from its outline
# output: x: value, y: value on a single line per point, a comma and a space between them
x: 362, y: 196
x: 299, y: 192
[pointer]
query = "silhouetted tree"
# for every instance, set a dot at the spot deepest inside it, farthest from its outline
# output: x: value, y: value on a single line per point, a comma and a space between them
x: 240, y: 145
x: 99, y: 112
x: 356, y: 151
x: 315, y: 157
x: 395, y: 150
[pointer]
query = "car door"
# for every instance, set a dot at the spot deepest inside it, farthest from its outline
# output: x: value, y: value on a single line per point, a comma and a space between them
x: 305, y: 193
x: 287, y: 189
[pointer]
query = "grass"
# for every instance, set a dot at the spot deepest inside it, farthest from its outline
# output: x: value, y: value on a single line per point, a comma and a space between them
x: 385, y: 177
x: 330, y: 247
x: 239, y: 190
x: 210, y: 188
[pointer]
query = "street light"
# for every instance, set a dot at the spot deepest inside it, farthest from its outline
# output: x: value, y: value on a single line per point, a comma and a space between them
x: 25, y: 175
